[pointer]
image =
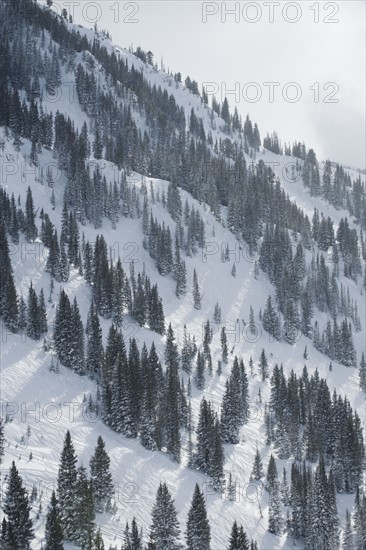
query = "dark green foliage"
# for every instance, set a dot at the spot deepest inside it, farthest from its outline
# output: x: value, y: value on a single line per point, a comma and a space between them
x: 16, y: 507
x: 101, y: 477
x: 165, y: 532
x: 54, y: 533
x: 198, y: 534
x: 66, y: 485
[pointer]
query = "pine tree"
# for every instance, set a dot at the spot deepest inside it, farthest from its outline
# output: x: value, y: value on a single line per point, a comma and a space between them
x: 257, y: 472
x: 66, y: 483
x: 198, y: 534
x: 101, y: 477
x: 31, y: 231
x: 271, y: 478
x: 217, y: 314
x: 172, y: 420
x: 16, y: 507
x: 285, y: 491
x: 84, y: 509
x: 223, y: 339
x: 362, y: 372
x: 33, y: 317
x: 98, y: 541
x: 274, y: 510
x: 348, y: 543
x: 263, y: 365
x: 196, y: 292
x: 231, y: 489
x: 238, y: 538
x: 171, y: 353
x: 95, y: 352
x: 165, y: 531
x: 270, y: 320
x: 42, y: 313
x: 54, y: 533
x: 2, y: 440
x: 199, y: 375
x: 135, y: 539
x: 216, y: 469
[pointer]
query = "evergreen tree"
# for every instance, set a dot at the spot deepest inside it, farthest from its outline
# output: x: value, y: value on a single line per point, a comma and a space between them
x: 270, y: 320
x: 54, y: 533
x: 31, y: 231
x: 196, y: 292
x: 42, y: 314
x: 172, y: 420
x: 33, y: 317
x: 217, y: 314
x: 238, y: 538
x: 198, y: 534
x: 271, y: 478
x: 165, y: 531
x: 95, y: 352
x: 348, y: 534
x: 257, y: 472
x: 274, y: 511
x: 200, y: 371
x: 223, y: 339
x: 2, y: 440
x: 263, y: 365
x: 98, y: 541
x: 171, y: 353
x: 101, y: 477
x: 84, y: 509
x: 66, y: 483
x: 135, y: 540
x: 16, y: 507
x: 362, y: 372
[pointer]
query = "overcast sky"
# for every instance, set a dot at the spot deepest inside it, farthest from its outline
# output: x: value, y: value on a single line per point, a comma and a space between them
x: 258, y: 44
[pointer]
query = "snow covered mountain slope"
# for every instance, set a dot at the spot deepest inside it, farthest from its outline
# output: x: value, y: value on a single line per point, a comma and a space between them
x: 52, y: 403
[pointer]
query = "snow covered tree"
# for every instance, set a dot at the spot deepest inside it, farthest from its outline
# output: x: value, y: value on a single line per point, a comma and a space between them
x: 271, y: 478
x: 165, y: 531
x: 223, y: 339
x: 270, y: 320
x: 274, y: 510
x: 238, y: 538
x: 198, y: 534
x: 263, y: 365
x: 95, y: 352
x: 101, y: 477
x: 217, y: 314
x: 2, y: 440
x: 84, y: 509
x: 196, y: 292
x: 231, y: 489
x: 348, y: 539
x: 172, y: 420
x: 54, y: 533
x: 33, y: 317
x: 235, y: 405
x: 257, y: 472
x: 362, y: 373
x: 98, y: 144
x: 66, y: 484
x: 171, y: 353
x: 98, y: 541
x: 199, y: 374
x: 17, y: 508
x: 31, y: 231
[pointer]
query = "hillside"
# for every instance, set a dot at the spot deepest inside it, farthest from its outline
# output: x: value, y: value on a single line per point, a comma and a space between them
x: 124, y: 160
